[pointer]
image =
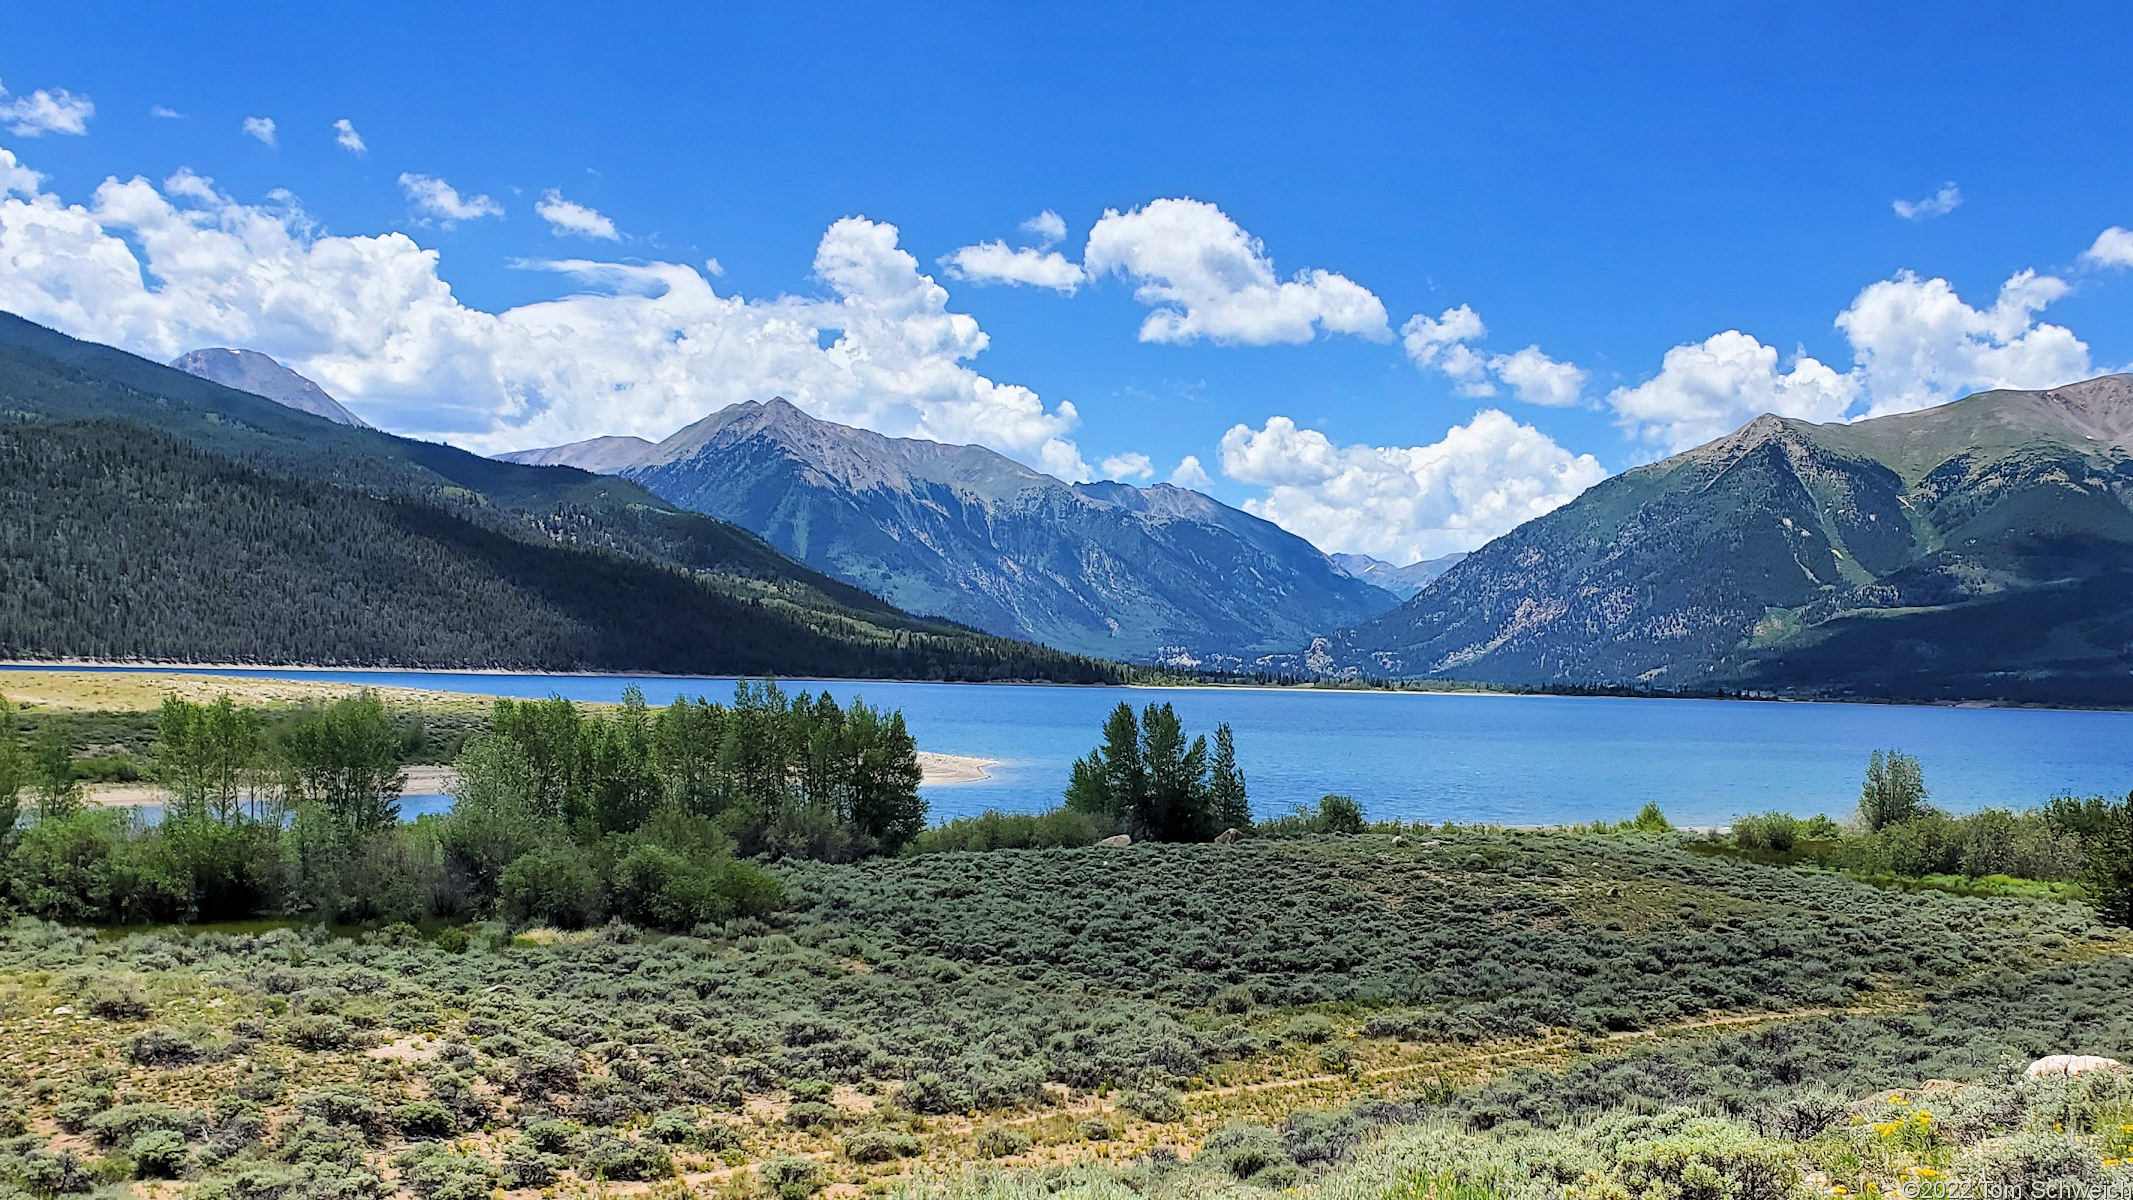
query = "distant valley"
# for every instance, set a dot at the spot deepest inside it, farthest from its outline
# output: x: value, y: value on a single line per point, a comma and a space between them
x: 1156, y: 574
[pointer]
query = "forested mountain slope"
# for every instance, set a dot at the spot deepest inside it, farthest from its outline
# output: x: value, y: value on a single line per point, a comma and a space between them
x: 1981, y: 549
x: 146, y: 513
x: 1159, y: 573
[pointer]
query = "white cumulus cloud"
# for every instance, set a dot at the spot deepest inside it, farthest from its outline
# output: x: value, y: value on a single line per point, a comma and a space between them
x: 41, y: 112
x: 1130, y: 465
x: 1939, y: 204
x: 996, y: 262
x: 435, y: 200
x: 1709, y: 389
x: 1445, y: 343
x: 1048, y: 226
x: 1190, y: 474
x: 1914, y: 343
x: 566, y: 217
x: 1406, y: 503
x: 345, y: 136
x: 261, y: 128
x: 2113, y: 248
x: 1538, y: 379
x: 629, y: 349
x: 1206, y: 278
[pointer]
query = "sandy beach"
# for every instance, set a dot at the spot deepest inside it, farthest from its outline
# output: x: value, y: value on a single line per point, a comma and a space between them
x: 435, y: 781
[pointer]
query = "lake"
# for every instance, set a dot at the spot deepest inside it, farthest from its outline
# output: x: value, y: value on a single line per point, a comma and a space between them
x: 1522, y: 760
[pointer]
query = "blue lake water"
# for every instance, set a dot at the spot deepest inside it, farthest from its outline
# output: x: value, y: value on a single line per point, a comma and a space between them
x: 1436, y: 757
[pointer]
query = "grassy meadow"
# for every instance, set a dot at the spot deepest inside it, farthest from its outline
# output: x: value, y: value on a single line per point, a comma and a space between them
x: 746, y: 990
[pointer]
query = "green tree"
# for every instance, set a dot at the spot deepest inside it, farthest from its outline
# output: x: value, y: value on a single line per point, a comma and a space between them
x: 207, y: 755
x: 11, y: 773
x: 345, y: 758
x: 885, y: 804
x: 1175, y: 805
x: 1339, y: 814
x: 496, y: 813
x: 2109, y: 854
x: 1110, y: 781
x: 1894, y: 792
x: 1232, y: 807
x: 51, y: 763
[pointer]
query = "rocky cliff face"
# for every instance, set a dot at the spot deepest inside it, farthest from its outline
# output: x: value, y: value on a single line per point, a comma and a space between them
x: 1156, y: 573
x: 1982, y: 548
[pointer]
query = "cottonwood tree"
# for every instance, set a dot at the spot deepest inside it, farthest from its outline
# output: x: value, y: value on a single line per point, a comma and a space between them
x: 1895, y: 790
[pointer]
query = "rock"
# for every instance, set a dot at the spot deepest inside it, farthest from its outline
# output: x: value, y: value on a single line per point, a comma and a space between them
x: 1227, y: 837
x: 1115, y: 842
x: 2071, y: 1064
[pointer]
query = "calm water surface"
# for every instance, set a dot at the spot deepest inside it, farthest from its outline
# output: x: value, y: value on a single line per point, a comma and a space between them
x: 1502, y: 759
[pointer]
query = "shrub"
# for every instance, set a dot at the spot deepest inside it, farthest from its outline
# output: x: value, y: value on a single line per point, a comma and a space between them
x: 880, y: 1145
x: 674, y: 1125
x: 159, y: 1154
x: 1000, y: 1141
x: 434, y: 1173
x: 2033, y: 1164
x: 526, y: 1167
x: 424, y: 1119
x: 1677, y: 1154
x: 1098, y: 1129
x: 928, y: 1093
x: 791, y: 1177
x: 162, y: 1048
x: 52, y: 1174
x: 126, y: 1123
x: 118, y: 1002
x: 319, y: 1031
x: 344, y: 1106
x: 810, y: 1114
x: 1772, y: 831
x: 554, y: 1137
x: 1311, y: 1028
x: 555, y: 885
x: 1251, y: 1152
x: 1154, y: 1104
x: 611, y: 1157
x: 995, y: 830
x: 547, y: 1071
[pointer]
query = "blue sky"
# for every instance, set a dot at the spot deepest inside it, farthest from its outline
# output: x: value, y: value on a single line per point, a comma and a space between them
x: 1602, y: 184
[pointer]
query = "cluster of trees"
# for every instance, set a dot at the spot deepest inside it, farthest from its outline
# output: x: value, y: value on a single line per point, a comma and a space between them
x: 1148, y: 779
x: 561, y: 815
x: 1898, y: 832
x: 298, y: 816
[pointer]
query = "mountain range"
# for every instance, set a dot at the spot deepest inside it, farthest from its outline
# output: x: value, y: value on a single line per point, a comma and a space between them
x: 147, y: 513
x: 1403, y: 582
x: 1106, y: 569
x: 1982, y: 549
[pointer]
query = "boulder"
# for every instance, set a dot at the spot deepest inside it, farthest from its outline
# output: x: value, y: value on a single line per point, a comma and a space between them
x: 1114, y: 842
x: 1227, y: 837
x: 2071, y: 1064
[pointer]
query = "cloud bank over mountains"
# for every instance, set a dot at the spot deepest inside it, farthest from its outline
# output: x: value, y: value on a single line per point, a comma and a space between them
x: 645, y: 347
x: 637, y: 349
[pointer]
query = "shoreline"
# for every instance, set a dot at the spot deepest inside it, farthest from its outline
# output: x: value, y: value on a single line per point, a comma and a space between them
x: 283, y: 674
x: 935, y: 769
